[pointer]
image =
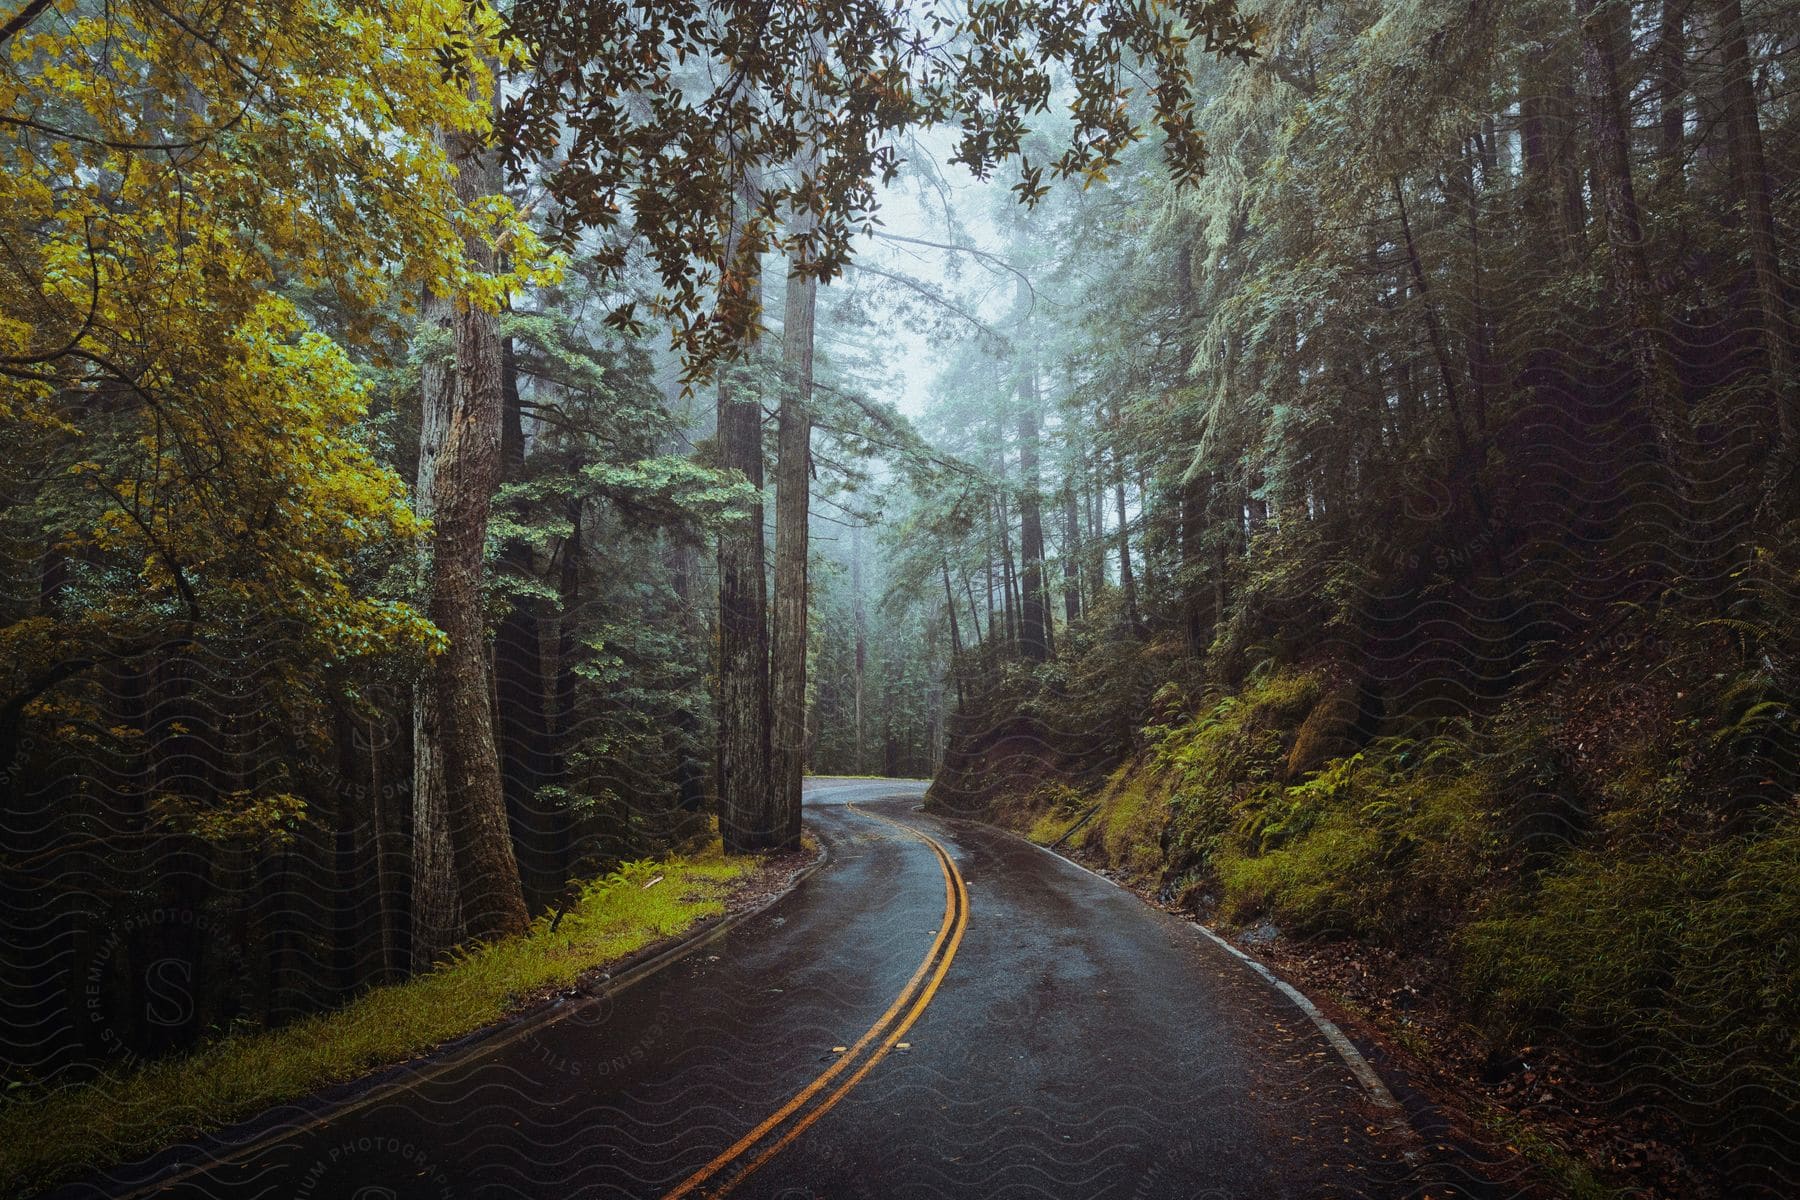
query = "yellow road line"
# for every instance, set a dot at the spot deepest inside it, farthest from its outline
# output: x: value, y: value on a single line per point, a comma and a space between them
x: 956, y: 919
x: 894, y: 1035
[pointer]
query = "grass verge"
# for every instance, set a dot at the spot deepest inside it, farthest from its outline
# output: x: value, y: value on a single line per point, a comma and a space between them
x: 50, y: 1135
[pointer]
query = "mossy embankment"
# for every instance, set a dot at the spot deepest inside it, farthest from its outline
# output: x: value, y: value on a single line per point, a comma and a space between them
x: 47, y: 1135
x: 1582, y: 900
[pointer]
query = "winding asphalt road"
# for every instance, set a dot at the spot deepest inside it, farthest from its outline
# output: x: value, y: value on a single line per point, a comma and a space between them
x: 941, y: 1011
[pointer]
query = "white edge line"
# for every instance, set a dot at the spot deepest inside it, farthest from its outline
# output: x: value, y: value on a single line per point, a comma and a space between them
x: 1395, y: 1121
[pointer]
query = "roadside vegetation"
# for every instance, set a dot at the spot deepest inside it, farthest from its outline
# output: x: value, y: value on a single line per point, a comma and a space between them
x: 1598, y: 871
x: 47, y: 1135
x: 1395, y: 536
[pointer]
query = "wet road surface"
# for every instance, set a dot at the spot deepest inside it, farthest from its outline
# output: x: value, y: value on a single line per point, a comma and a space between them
x: 997, y: 1023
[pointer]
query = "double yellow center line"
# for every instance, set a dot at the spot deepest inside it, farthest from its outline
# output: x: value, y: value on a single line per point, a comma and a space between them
x: 795, y: 1117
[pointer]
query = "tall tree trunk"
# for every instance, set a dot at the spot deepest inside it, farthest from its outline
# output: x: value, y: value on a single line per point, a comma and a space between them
x: 1568, y: 164
x: 861, y: 632
x: 690, y: 771
x: 1071, y: 556
x: 974, y: 616
x: 1001, y: 619
x: 561, y: 674
x: 1671, y: 86
x: 1534, y: 145
x: 1434, y: 330
x: 1630, y: 266
x: 1478, y: 338
x: 1093, y: 498
x: 1034, y: 608
x: 787, y: 742
x: 955, y: 634
x: 746, y: 809
x: 1195, y: 623
x: 384, y: 886
x: 1744, y: 137
x: 1009, y: 578
x: 1127, y: 578
x: 521, y: 710
x: 436, y: 914
x: 468, y: 475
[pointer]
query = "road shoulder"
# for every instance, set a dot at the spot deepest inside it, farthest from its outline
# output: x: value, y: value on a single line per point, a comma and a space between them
x: 142, y: 1169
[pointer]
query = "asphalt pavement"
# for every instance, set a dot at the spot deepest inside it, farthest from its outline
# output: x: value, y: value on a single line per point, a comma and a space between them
x: 942, y: 1010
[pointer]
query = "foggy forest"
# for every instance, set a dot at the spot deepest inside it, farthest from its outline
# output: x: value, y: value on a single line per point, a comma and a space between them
x: 899, y: 598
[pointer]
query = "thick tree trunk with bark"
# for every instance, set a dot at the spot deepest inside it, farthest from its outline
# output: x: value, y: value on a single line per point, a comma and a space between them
x: 793, y: 487
x: 467, y: 477
x: 746, y: 818
x: 746, y: 810
x: 436, y: 915
x: 1743, y: 129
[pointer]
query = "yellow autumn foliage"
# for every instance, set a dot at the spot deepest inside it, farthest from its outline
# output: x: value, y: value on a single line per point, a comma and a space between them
x: 186, y: 447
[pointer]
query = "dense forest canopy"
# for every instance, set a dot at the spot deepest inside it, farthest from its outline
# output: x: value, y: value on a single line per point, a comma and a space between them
x: 455, y: 449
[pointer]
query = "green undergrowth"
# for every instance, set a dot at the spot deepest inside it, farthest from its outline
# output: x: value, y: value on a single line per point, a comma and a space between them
x: 1610, y: 860
x: 1686, y: 958
x: 48, y: 1135
x: 1370, y: 845
x: 1373, y: 846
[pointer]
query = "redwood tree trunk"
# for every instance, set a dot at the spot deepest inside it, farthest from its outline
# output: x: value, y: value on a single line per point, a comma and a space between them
x: 468, y: 475
x: 746, y: 814
x: 436, y: 915
x: 522, y: 699
x: 746, y: 818
x: 787, y: 743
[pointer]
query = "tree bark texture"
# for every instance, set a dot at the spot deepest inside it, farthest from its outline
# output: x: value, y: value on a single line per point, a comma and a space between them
x: 793, y: 487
